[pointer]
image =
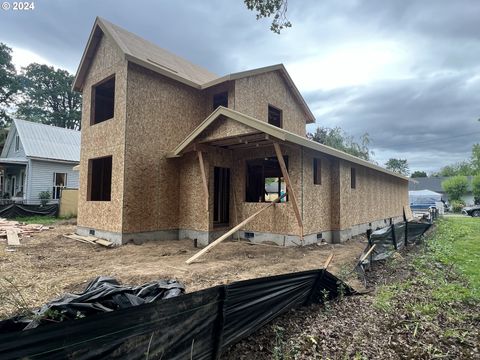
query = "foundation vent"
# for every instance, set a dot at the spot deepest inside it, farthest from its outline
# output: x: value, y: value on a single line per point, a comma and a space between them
x: 249, y: 235
x: 91, y: 232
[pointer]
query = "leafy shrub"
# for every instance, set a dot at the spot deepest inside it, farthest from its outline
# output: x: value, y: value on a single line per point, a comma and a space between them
x: 44, y: 196
x: 455, y: 187
x: 457, y: 205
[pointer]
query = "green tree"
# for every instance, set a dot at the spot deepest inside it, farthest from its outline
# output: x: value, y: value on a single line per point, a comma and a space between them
x: 8, y: 83
x: 463, y: 168
x: 338, y: 139
x: 418, y: 174
x: 455, y: 187
x: 269, y: 8
x: 47, y: 97
x: 475, y: 162
x: 398, y: 165
x: 476, y: 188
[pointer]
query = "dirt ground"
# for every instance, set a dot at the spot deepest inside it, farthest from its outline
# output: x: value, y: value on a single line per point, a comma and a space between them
x: 48, y: 264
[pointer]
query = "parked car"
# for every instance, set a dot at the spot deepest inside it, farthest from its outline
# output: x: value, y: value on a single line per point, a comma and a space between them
x: 472, y: 211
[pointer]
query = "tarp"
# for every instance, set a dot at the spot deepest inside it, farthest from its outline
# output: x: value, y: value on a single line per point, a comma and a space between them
x: 423, y: 199
x: 21, y: 210
x: 199, y: 325
x: 102, y: 294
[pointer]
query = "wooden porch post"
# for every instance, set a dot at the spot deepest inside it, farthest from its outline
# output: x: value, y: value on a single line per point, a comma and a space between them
x: 204, y: 178
x: 291, y: 192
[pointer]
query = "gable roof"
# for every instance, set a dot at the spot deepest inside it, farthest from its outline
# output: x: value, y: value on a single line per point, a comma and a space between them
x: 277, y: 133
x: 45, y: 141
x: 434, y: 183
x: 150, y: 56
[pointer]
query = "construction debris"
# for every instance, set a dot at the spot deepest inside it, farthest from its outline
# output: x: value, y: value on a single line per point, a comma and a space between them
x: 13, y: 230
x: 89, y: 240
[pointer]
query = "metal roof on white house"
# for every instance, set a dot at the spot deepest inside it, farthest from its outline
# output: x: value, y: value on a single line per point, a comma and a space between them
x: 46, y: 142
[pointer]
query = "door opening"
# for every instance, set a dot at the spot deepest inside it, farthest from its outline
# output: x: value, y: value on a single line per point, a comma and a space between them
x: 221, y: 196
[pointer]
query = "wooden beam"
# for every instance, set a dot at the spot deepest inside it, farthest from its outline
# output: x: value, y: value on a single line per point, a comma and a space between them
x: 328, y: 261
x: 231, y: 231
x: 290, y: 191
x: 204, y: 178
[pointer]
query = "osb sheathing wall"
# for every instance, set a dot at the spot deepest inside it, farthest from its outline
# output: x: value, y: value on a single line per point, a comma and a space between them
x: 191, y: 199
x: 253, y: 95
x: 377, y: 196
x: 103, y: 139
x: 317, y: 198
x: 224, y: 128
x: 160, y: 114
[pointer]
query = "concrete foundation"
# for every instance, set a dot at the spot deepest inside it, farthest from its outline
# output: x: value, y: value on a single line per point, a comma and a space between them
x: 205, y: 237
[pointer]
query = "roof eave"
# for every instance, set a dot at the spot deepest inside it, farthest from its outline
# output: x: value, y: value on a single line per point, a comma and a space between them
x: 277, y: 133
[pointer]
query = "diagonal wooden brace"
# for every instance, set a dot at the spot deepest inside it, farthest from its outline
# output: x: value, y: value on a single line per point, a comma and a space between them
x: 204, y: 177
x: 291, y: 192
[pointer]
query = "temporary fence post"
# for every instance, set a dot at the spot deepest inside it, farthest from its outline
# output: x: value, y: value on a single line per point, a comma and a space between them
x: 406, y: 233
x: 220, y: 323
x: 394, y: 239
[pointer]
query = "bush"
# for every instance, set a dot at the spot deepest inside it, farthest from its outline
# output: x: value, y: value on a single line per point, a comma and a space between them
x: 455, y: 187
x: 44, y: 196
x: 457, y: 205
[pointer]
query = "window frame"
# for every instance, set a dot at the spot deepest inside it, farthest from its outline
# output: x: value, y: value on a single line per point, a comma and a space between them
x: 17, y: 143
x: 353, y: 178
x: 280, y: 113
x: 56, y: 187
x: 261, y: 162
x: 317, y: 171
x: 93, y: 99
x: 222, y: 93
x: 90, y: 179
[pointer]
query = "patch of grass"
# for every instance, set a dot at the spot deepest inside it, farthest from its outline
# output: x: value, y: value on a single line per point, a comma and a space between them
x: 43, y: 220
x: 457, y: 244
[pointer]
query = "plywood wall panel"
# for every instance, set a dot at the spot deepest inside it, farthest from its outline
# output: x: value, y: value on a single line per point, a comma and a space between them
x: 103, y: 139
x: 160, y: 114
x: 253, y: 95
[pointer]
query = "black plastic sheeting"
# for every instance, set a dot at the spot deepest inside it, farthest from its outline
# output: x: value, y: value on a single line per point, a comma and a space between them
x: 20, y: 210
x: 394, y: 237
x: 199, y: 325
x: 102, y: 294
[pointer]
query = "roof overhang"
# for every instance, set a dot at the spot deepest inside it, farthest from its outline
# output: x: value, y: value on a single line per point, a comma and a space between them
x: 10, y: 161
x: 266, y: 133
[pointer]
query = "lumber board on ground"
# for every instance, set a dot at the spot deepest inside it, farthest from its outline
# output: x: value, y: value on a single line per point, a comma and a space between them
x: 12, y: 237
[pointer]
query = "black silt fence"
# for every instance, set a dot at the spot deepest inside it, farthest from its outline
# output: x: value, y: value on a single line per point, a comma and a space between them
x: 199, y: 325
x: 394, y: 237
x: 20, y: 210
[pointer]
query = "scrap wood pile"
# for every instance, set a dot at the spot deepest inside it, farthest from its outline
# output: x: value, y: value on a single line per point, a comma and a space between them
x: 12, y: 230
x: 89, y: 240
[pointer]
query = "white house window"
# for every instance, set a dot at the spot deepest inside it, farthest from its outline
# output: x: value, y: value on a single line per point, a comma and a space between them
x: 59, y: 182
x: 17, y: 143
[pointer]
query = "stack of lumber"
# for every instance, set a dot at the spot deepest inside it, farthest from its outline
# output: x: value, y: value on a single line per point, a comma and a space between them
x: 12, y: 229
x: 89, y: 240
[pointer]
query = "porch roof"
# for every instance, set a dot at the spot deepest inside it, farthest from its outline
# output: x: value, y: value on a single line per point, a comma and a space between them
x: 13, y: 161
x: 263, y: 134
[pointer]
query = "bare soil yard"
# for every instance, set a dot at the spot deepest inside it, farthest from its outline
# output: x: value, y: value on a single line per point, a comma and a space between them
x: 48, y: 264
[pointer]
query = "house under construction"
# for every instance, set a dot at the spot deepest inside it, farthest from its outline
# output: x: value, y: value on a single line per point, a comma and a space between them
x: 170, y: 150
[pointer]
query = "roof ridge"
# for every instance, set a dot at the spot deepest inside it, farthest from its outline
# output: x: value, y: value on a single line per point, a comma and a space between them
x: 45, y: 125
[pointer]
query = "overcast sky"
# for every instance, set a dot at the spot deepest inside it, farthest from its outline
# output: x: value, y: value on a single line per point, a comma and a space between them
x: 405, y: 71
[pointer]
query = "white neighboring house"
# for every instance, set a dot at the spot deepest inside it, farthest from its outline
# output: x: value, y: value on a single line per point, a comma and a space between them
x: 36, y: 158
